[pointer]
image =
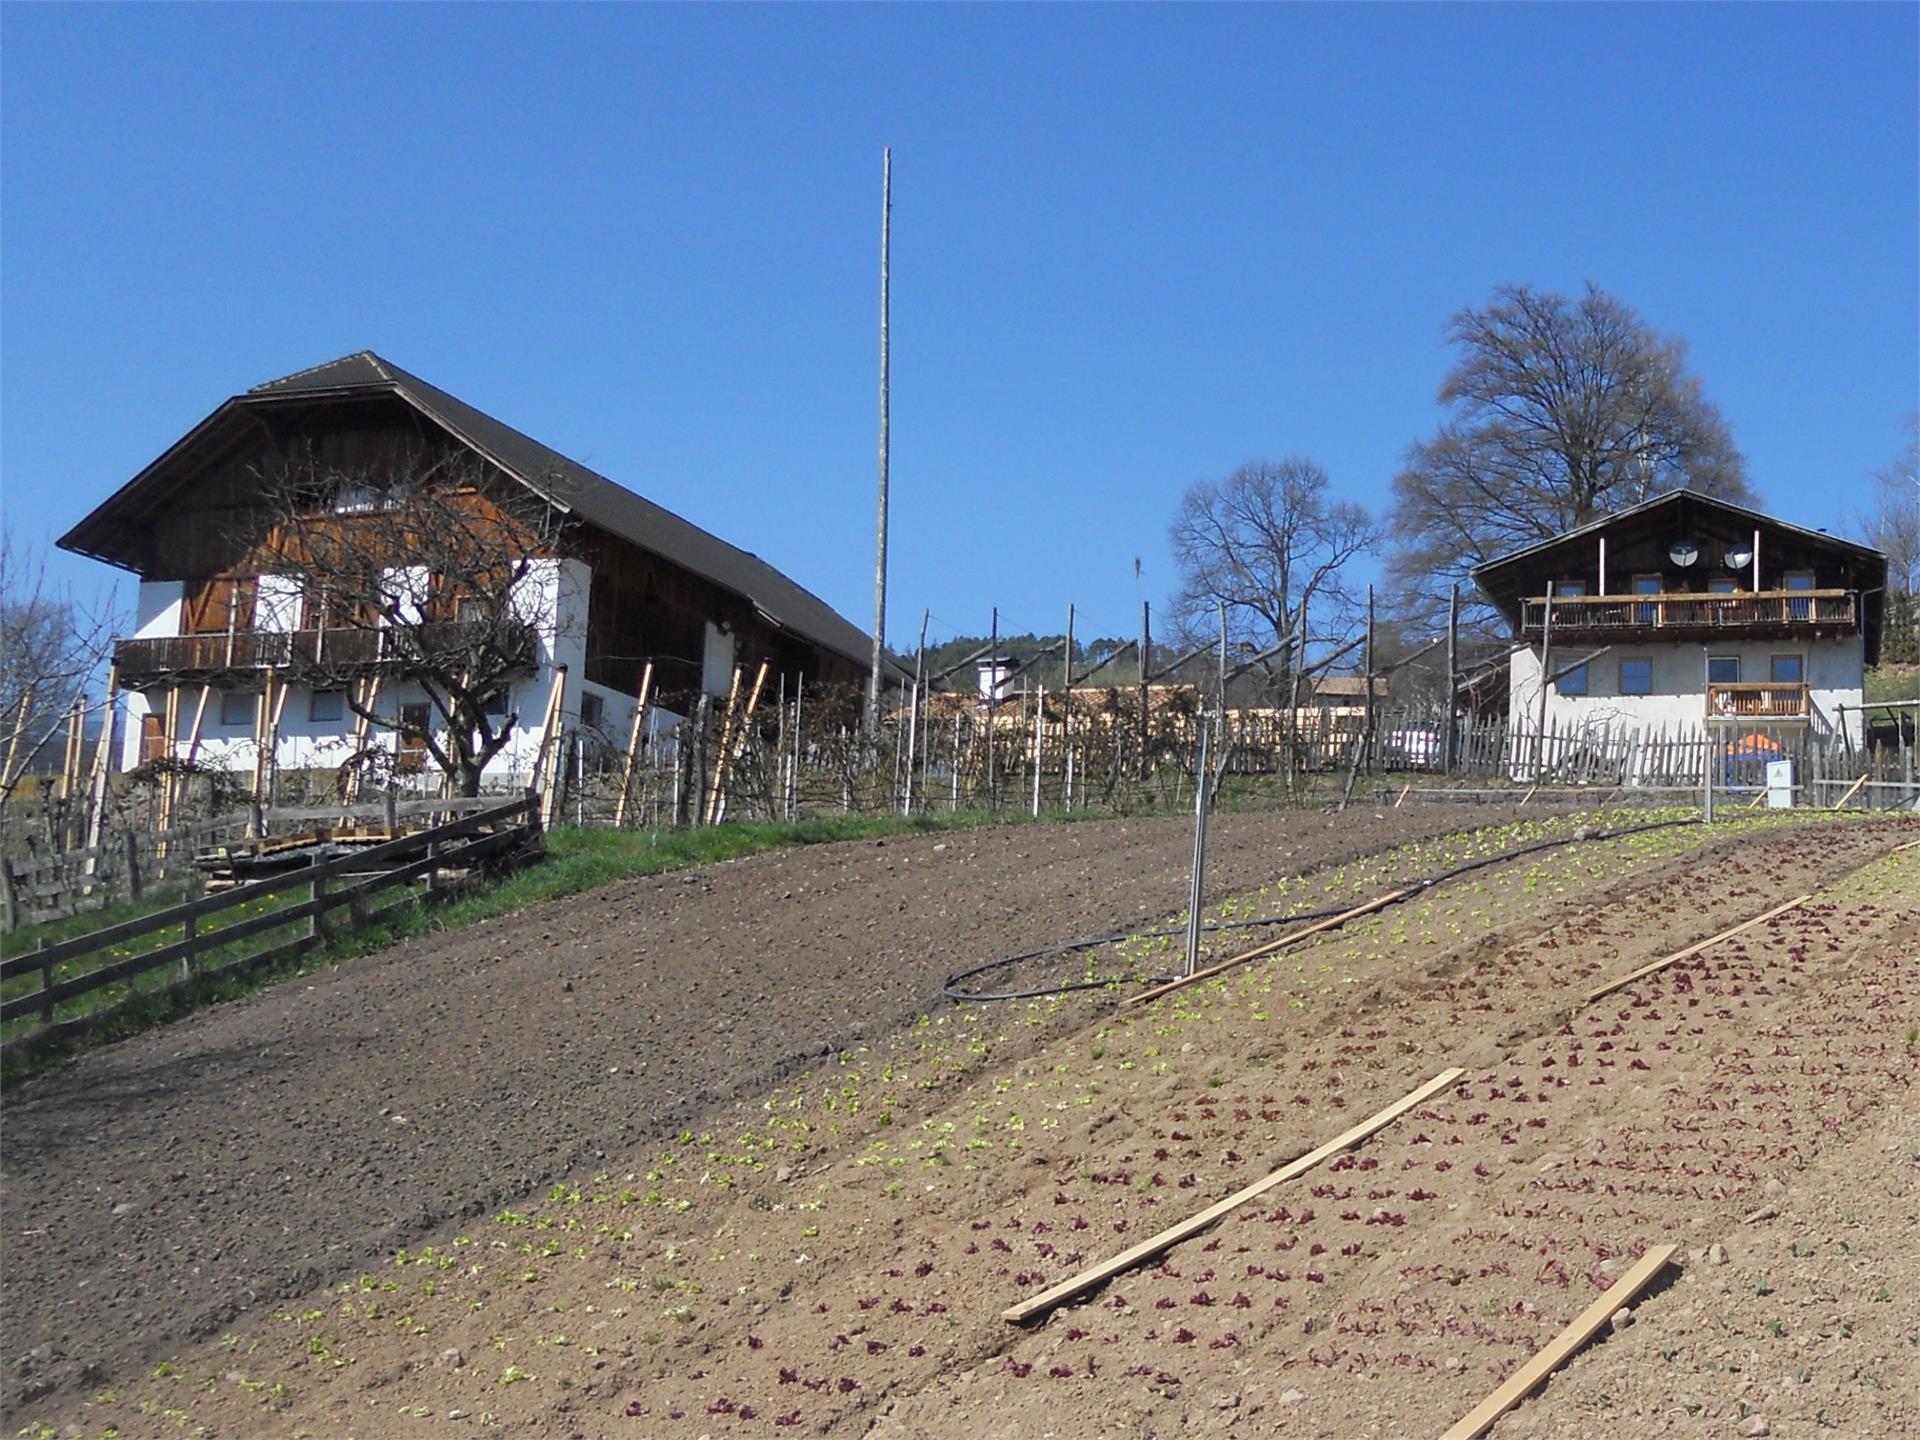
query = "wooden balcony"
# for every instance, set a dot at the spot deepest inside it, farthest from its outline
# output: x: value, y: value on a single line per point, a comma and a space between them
x: 1762, y: 700
x: 239, y: 657
x: 1692, y: 615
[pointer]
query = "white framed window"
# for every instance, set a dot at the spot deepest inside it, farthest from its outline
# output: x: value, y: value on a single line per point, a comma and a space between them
x: 237, y: 707
x: 325, y: 706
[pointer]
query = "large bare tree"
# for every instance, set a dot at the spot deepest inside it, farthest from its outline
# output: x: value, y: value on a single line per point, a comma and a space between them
x: 1270, y: 543
x: 1561, y: 410
x: 420, y: 566
x: 1893, y: 526
x: 51, y: 643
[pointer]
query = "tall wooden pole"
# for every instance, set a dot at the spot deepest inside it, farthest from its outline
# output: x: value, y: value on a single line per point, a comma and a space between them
x: 1449, y: 733
x: 880, y: 542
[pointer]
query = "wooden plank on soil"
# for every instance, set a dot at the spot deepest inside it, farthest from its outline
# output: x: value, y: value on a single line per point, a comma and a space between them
x: 1693, y: 949
x: 1097, y: 1274
x: 1480, y: 1419
x: 1331, y: 923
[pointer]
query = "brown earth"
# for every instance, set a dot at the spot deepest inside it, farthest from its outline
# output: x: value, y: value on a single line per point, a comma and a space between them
x: 160, y: 1190
x: 833, y: 1260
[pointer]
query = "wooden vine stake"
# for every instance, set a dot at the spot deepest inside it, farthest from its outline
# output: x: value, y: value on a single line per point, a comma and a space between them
x: 1095, y: 1275
x: 1694, y: 949
x: 1331, y: 923
x: 1851, y: 791
x: 633, y: 746
x: 1480, y: 1419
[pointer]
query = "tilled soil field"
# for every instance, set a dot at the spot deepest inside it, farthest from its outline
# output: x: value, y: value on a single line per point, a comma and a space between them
x: 833, y: 1258
x: 159, y: 1191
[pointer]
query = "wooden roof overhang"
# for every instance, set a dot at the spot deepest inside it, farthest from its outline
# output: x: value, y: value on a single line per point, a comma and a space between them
x: 1637, y: 541
x: 137, y: 528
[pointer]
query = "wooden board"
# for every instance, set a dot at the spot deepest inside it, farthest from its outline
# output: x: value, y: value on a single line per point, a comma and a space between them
x: 1693, y: 949
x: 1331, y: 923
x: 1094, y: 1275
x: 1480, y: 1419
x: 1908, y: 846
x: 1851, y: 791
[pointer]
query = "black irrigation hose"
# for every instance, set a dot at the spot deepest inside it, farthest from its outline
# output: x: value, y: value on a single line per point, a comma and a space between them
x: 949, y: 987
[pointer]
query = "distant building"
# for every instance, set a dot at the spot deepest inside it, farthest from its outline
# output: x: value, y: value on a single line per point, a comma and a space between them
x: 1686, y: 612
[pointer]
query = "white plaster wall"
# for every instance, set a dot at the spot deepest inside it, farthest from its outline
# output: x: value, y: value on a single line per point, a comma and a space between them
x: 1834, y: 668
x: 552, y: 597
x: 157, y: 610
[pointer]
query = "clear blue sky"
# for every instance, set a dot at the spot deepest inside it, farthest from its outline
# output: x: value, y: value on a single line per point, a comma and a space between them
x: 1132, y: 247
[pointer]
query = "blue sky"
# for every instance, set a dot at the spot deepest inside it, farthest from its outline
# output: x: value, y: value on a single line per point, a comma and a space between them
x: 1133, y: 247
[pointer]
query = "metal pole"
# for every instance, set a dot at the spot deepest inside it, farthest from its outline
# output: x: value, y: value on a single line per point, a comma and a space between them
x: 1451, y: 732
x: 1546, y: 669
x: 1706, y: 671
x: 1197, y: 889
x: 1146, y: 651
x: 880, y: 543
x: 993, y: 702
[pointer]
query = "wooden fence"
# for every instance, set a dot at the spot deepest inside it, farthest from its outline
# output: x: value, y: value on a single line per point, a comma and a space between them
x: 132, y: 862
x: 460, y: 844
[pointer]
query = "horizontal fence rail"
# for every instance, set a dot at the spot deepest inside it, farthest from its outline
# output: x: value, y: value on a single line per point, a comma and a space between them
x: 461, y: 843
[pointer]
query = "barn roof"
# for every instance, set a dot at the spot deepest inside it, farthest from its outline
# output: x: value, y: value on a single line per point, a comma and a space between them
x: 562, y: 481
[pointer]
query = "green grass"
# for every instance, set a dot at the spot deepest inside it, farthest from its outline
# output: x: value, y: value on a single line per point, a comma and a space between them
x: 51, y: 932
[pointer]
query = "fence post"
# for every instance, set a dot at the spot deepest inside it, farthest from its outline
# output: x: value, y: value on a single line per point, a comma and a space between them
x: 46, y: 986
x: 10, y: 893
x: 190, y: 961
x: 317, y: 926
x: 133, y: 867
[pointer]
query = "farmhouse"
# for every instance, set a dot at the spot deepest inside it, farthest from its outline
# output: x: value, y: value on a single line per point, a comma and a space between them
x: 1687, y: 614
x: 231, y: 659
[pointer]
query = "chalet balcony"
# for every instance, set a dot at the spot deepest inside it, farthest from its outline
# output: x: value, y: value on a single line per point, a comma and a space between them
x: 316, y: 655
x: 1693, y: 615
x: 1759, y: 701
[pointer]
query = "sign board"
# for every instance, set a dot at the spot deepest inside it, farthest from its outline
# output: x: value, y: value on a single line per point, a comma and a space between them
x: 1780, y: 784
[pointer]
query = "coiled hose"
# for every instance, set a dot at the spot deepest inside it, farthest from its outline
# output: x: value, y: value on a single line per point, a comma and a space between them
x: 950, y: 987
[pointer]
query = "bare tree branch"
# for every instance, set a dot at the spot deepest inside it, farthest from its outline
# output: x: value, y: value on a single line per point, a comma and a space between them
x: 1562, y: 410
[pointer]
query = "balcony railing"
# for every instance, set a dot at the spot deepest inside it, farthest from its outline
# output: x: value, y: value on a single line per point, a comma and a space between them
x: 1764, y: 700
x: 348, y: 650
x: 1686, y: 613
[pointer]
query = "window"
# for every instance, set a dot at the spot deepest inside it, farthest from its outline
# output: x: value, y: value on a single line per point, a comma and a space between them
x: 1646, y: 614
x: 592, y: 708
x: 1567, y: 589
x: 1789, y: 670
x: 236, y: 708
x: 1573, y: 682
x: 1723, y: 585
x: 1799, y: 580
x: 1723, y: 670
x: 495, y: 705
x: 325, y: 705
x: 1636, y: 677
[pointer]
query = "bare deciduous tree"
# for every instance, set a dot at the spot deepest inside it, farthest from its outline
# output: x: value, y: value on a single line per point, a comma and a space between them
x: 422, y: 567
x: 1562, y: 410
x: 51, y: 643
x: 1269, y: 542
x: 1893, y: 526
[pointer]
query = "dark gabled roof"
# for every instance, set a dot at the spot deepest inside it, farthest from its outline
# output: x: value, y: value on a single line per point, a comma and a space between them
x: 565, y: 483
x: 1504, y: 580
x: 1672, y: 498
